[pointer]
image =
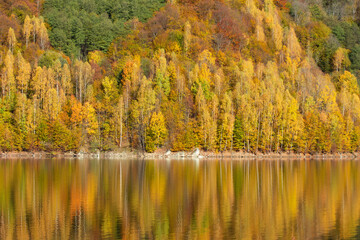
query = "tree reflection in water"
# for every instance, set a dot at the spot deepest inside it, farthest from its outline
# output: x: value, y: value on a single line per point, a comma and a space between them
x: 132, y: 199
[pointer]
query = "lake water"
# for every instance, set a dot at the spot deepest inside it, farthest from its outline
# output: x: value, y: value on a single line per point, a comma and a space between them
x: 136, y: 199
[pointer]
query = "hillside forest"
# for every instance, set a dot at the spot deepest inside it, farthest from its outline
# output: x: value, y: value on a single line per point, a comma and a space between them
x: 219, y: 75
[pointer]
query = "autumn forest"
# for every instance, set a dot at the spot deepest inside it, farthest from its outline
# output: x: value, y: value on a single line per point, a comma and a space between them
x: 219, y: 75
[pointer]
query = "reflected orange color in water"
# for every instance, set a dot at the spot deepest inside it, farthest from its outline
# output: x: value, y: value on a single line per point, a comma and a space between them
x: 134, y: 199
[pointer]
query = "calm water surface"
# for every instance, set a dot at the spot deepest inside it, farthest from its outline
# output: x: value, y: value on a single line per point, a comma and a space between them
x: 136, y: 199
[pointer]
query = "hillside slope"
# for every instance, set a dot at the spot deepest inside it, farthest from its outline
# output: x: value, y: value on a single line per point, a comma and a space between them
x: 220, y: 75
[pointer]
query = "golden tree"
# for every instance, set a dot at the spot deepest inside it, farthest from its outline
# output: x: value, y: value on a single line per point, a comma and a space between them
x: 27, y: 29
x: 11, y: 39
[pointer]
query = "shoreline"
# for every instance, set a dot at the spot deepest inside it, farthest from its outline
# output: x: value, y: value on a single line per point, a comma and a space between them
x: 180, y: 155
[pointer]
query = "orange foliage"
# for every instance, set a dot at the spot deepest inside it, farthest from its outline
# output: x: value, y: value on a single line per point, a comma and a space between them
x: 72, y: 113
x: 282, y: 4
x: 233, y: 26
x: 6, y: 23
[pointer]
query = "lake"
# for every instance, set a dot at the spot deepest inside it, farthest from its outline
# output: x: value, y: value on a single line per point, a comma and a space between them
x: 182, y: 199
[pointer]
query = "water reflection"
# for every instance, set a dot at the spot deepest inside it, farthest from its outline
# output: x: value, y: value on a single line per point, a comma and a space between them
x: 91, y: 199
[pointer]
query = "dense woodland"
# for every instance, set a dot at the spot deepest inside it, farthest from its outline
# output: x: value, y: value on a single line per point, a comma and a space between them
x: 241, y: 75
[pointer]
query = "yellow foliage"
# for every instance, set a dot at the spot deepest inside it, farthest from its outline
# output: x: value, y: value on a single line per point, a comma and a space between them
x: 95, y: 56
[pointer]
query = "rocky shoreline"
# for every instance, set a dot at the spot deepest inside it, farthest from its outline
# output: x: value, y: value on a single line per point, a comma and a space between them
x: 197, y: 154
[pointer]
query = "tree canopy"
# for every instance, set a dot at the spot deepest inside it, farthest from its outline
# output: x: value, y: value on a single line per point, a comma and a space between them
x: 217, y: 75
x: 78, y: 27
